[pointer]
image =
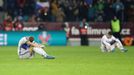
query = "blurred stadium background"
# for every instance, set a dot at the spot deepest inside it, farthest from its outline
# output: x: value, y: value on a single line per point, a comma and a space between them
x: 58, y: 24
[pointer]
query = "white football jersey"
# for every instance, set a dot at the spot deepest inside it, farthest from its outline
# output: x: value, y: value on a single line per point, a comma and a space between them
x: 106, y: 40
x: 23, y: 41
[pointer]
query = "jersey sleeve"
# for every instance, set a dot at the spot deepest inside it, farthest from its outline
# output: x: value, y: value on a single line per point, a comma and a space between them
x: 24, y: 40
x: 113, y: 38
x: 103, y: 40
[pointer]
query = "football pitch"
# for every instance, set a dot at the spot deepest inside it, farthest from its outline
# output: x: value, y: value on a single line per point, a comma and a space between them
x: 69, y: 61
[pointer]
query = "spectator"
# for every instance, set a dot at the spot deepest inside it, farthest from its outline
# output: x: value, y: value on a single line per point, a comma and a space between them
x: 33, y: 19
x: 108, y: 11
x: 60, y: 15
x: 100, y: 10
x: 100, y: 5
x: 67, y: 29
x: 83, y: 32
x: 18, y: 25
x: 2, y: 15
x: 1, y: 3
x: 71, y: 10
x: 10, y: 6
x: 8, y: 25
x: 116, y: 27
x: 84, y: 23
x: 75, y: 30
x: 83, y: 11
x: 129, y: 10
x: 20, y: 6
x: 99, y: 18
x: 68, y: 9
x: 1, y: 27
x: 118, y: 8
x: 91, y: 13
x: 54, y: 9
x: 29, y: 8
x: 41, y: 27
x: 44, y: 16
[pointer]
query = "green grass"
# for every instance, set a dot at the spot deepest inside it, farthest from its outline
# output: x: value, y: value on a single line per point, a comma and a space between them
x: 69, y: 61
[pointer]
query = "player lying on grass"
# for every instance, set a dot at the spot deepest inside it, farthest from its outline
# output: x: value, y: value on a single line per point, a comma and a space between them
x: 27, y: 47
x: 109, y: 43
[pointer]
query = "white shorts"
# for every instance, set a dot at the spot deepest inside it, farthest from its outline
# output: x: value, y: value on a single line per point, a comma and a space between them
x: 25, y: 53
x: 106, y: 48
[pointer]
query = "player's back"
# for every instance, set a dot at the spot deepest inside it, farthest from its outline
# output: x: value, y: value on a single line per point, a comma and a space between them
x: 105, y: 38
x: 22, y: 41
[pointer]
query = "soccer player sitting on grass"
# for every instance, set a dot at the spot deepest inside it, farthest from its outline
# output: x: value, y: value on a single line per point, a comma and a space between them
x: 109, y: 43
x: 27, y: 47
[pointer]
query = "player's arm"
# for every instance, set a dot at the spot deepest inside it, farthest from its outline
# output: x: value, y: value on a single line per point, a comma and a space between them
x: 33, y: 44
x: 114, y: 39
x: 117, y: 40
x: 42, y: 46
x: 105, y: 42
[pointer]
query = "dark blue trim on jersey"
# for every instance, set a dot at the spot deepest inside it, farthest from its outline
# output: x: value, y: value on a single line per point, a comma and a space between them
x: 25, y: 46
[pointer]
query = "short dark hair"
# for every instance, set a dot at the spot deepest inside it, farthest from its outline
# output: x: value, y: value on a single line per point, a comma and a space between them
x: 31, y: 39
x: 110, y: 33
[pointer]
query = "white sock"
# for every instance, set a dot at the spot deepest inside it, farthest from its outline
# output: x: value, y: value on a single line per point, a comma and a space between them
x: 40, y: 51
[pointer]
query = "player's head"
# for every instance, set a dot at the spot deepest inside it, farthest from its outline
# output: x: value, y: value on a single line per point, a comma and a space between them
x: 109, y: 34
x: 114, y: 18
x: 84, y: 20
x: 31, y: 39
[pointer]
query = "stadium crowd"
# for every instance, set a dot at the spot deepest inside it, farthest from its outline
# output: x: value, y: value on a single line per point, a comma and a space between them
x: 14, y: 12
